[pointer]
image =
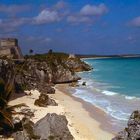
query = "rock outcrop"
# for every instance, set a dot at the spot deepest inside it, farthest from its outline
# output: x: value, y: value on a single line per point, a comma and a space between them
x: 47, y: 89
x: 132, y: 131
x: 40, y: 71
x: 27, y: 132
x: 77, y: 65
x: 44, y: 101
x: 51, y: 127
x: 6, y: 69
x: 36, y: 73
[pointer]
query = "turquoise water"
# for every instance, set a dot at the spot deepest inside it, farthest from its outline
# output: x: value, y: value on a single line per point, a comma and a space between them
x: 113, y: 86
x: 122, y: 75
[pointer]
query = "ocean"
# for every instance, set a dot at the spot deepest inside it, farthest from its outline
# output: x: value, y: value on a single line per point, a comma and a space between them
x: 113, y: 86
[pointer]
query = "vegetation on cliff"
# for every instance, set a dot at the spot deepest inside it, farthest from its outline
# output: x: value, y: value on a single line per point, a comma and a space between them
x: 34, y: 72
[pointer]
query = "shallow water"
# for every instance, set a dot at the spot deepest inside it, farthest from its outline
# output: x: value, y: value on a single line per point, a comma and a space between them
x: 113, y: 85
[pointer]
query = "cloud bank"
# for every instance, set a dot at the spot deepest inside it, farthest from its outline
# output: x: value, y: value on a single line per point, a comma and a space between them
x: 94, y: 10
x: 47, y: 16
x: 135, y: 22
x: 88, y: 14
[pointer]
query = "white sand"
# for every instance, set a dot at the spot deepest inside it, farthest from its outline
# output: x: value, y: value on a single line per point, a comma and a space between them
x: 81, y: 125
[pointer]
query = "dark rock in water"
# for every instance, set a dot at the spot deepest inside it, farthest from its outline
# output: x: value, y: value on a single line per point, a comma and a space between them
x: 53, y: 127
x: 84, y: 84
x: 44, y: 101
x: 132, y: 132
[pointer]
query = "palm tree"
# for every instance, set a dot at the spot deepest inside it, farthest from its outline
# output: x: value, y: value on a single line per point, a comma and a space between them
x: 5, y: 112
x: 6, y: 90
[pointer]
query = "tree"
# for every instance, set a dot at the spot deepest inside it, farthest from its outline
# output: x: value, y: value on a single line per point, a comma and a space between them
x: 50, y: 51
x: 7, y: 87
x: 31, y: 51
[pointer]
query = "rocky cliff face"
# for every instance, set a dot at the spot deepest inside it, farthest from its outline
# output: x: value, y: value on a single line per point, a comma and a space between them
x: 6, y: 69
x: 77, y: 65
x: 36, y: 73
x: 41, y: 70
x: 132, y: 131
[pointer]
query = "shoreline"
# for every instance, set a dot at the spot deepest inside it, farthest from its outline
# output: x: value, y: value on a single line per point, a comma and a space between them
x: 93, y: 114
x: 94, y: 111
x: 81, y: 124
x: 107, y: 57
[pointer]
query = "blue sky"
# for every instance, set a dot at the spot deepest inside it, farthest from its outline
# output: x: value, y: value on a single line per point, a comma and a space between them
x: 73, y: 26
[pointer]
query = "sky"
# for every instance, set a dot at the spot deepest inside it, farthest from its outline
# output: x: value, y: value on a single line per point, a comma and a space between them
x: 73, y: 26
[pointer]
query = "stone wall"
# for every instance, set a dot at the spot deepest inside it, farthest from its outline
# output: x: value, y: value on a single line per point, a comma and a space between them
x: 9, y: 47
x: 5, y: 51
x: 8, y: 42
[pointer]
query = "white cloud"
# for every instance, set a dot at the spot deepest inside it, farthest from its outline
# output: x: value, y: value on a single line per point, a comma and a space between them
x: 88, y: 14
x: 14, y: 9
x: 94, y: 10
x: 79, y: 19
x: 12, y: 24
x: 44, y: 17
x: 135, y: 22
x: 47, y: 16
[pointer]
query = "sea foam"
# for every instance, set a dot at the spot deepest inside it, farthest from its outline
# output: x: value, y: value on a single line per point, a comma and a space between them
x: 110, y: 93
x: 130, y: 97
x: 109, y: 87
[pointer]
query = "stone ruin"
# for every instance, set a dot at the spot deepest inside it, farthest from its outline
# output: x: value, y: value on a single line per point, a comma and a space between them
x: 9, y: 48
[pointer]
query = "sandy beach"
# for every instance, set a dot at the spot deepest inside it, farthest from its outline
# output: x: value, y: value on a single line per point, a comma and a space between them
x: 78, y: 112
x: 80, y: 123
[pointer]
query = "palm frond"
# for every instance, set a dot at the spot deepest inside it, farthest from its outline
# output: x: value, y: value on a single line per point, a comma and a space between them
x: 6, y: 118
x: 8, y: 91
x: 16, y: 106
x: 3, y: 102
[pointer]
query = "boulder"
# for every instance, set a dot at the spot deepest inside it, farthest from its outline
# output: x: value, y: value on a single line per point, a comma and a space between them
x: 44, y: 101
x: 132, y: 131
x: 53, y: 127
x: 27, y: 133
x: 46, y: 89
x: 84, y: 84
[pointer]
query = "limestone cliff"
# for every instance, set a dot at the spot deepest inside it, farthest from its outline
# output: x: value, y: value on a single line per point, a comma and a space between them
x: 132, y: 131
x: 40, y: 70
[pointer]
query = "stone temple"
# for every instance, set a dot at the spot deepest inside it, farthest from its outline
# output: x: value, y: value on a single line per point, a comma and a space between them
x: 9, y: 48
